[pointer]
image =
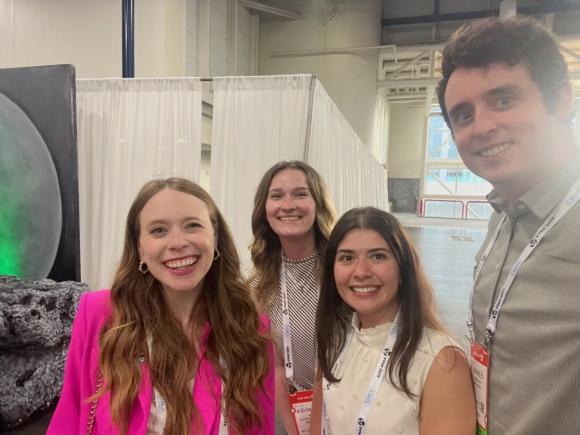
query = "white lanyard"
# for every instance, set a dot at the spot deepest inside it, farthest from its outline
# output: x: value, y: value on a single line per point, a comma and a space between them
x: 374, y: 383
x: 162, y: 407
x: 162, y: 413
x: 565, y: 205
x: 286, y: 330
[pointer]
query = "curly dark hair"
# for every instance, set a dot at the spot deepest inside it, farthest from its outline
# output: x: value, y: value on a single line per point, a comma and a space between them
x: 518, y: 40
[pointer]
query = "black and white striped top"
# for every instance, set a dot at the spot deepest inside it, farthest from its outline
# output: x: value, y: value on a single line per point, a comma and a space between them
x: 303, y: 287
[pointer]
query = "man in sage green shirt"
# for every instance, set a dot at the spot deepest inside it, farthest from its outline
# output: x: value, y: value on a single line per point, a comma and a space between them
x: 506, y: 96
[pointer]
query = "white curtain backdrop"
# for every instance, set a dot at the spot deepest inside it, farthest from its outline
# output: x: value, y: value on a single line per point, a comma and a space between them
x: 257, y: 121
x: 128, y: 132
x: 353, y: 175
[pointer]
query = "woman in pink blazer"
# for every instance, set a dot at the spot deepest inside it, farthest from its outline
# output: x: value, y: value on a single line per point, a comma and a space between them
x: 176, y: 346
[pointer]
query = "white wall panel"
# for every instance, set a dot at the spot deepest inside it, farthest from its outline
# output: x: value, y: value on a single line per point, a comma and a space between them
x: 192, y: 38
x: 87, y: 34
x: 218, y: 39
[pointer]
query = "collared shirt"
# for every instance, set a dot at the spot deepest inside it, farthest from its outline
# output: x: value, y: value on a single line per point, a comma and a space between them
x: 535, y: 355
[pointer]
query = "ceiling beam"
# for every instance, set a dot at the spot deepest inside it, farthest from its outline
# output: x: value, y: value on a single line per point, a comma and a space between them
x: 544, y: 8
x: 508, y: 9
x: 407, y: 83
x: 270, y: 10
x: 394, y: 74
x: 337, y: 50
x: 570, y: 52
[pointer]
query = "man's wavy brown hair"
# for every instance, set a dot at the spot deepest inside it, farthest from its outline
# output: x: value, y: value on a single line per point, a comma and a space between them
x: 265, y: 249
x: 139, y: 310
x: 517, y: 40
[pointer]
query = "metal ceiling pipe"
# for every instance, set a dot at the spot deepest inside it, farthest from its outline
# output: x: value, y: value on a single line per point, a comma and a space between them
x: 128, y: 39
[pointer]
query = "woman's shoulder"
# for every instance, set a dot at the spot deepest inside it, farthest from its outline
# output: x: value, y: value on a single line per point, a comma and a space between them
x: 435, y: 348
x: 433, y: 341
x: 97, y: 297
x: 95, y: 307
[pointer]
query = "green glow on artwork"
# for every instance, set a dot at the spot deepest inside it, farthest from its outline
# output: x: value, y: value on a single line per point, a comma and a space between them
x: 10, y: 248
x: 9, y: 259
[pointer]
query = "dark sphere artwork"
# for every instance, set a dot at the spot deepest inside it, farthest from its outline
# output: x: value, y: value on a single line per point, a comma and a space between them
x: 30, y: 201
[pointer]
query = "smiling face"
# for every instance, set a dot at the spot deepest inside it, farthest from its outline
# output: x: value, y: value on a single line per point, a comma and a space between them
x: 176, y: 240
x: 502, y: 128
x: 290, y: 208
x: 367, y: 276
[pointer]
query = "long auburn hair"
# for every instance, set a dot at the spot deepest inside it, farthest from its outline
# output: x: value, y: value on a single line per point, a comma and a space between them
x: 266, y: 245
x: 415, y: 296
x: 139, y: 310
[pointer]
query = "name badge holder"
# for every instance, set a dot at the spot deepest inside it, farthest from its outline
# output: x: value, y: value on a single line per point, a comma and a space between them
x: 301, y: 404
x: 479, y: 362
x: 374, y: 384
x: 480, y: 354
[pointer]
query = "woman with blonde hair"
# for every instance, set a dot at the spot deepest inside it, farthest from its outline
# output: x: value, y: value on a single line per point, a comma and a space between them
x: 291, y: 221
x: 176, y: 346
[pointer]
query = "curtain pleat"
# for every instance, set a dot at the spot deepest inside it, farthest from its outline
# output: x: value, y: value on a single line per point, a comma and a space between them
x: 354, y: 176
x: 128, y: 132
x: 257, y: 121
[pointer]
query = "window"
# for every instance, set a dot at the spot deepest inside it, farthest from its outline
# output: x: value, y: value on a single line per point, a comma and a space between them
x: 446, y: 180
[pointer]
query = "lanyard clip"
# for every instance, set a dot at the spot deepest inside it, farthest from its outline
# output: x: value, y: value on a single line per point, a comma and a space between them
x: 488, y: 337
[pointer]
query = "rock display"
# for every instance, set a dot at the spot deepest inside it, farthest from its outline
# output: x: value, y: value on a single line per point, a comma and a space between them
x: 35, y: 326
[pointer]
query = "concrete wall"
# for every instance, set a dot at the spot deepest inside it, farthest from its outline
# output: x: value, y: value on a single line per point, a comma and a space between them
x: 406, y: 156
x: 204, y: 169
x: 350, y: 79
x: 406, y: 140
x: 87, y: 34
x: 218, y: 40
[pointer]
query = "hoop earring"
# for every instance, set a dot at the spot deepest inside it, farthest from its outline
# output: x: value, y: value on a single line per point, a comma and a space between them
x: 216, y: 255
x: 142, y: 268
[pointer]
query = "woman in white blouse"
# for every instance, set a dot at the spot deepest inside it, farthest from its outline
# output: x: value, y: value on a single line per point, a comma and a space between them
x: 386, y: 366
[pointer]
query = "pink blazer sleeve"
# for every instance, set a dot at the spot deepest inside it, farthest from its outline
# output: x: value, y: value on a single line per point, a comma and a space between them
x: 72, y: 411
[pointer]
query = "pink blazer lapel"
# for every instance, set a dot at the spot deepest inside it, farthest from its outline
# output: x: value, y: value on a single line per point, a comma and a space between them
x: 139, y: 412
x: 142, y: 406
x: 206, y: 393
x: 207, y: 397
